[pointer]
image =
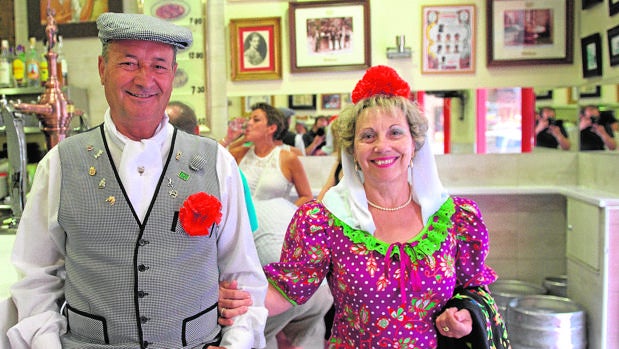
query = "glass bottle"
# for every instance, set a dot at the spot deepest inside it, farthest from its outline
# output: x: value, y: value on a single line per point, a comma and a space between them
x: 44, y: 69
x: 6, y: 71
x: 61, y: 64
x: 19, y: 66
x: 33, y: 72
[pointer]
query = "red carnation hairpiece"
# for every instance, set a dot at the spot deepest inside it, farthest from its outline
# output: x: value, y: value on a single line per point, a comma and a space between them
x: 380, y: 80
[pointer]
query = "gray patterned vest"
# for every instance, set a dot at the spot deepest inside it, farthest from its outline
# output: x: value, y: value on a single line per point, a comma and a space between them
x: 132, y: 284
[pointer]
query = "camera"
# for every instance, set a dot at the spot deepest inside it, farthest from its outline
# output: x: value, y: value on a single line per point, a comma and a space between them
x: 320, y: 131
x: 595, y: 120
x: 555, y: 122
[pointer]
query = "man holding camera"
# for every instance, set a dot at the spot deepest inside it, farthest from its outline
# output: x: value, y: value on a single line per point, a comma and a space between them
x: 549, y: 132
x: 593, y: 135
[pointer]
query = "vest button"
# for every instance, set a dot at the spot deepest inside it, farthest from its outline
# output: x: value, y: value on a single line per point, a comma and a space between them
x: 143, y: 319
x: 142, y: 267
x: 142, y: 294
x: 145, y: 344
x: 143, y: 242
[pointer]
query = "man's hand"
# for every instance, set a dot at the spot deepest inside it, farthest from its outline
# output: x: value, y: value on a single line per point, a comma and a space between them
x: 232, y: 302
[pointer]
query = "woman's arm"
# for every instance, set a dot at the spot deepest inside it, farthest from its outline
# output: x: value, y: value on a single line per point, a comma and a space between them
x: 293, y: 169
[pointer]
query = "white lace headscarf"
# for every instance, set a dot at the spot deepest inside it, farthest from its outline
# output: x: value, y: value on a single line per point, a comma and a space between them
x: 347, y: 200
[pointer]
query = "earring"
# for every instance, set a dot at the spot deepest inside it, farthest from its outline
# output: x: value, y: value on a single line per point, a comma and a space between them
x: 356, y: 166
x: 411, y: 163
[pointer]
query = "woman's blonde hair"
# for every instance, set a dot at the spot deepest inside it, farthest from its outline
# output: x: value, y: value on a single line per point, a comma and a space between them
x: 347, y: 120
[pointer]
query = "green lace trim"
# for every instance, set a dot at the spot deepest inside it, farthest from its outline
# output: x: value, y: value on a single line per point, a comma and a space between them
x: 429, y: 240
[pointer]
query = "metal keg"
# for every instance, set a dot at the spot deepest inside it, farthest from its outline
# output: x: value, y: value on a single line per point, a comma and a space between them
x: 556, y: 285
x: 503, y: 291
x: 546, y: 322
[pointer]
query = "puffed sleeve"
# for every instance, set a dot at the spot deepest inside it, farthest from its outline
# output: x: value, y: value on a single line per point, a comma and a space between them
x: 472, y: 237
x: 306, y: 256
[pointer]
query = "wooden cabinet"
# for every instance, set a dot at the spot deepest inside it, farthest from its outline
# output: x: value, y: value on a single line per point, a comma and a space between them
x: 583, y: 232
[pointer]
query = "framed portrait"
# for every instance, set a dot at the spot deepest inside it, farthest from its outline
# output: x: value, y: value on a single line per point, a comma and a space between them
x: 594, y: 91
x: 248, y: 101
x: 255, y: 46
x: 543, y: 93
x: 591, y: 50
x: 331, y: 101
x: 329, y: 36
x: 613, y: 45
x: 613, y: 7
x: 527, y: 32
x: 305, y: 101
x: 448, y: 42
x: 73, y: 21
x: 589, y: 3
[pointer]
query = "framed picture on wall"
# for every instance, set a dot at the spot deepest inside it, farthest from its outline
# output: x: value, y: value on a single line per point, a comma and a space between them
x: 247, y: 102
x: 305, y: 101
x: 448, y: 42
x: 70, y: 22
x: 589, y: 3
x: 594, y: 91
x: 526, y: 33
x: 613, y: 7
x: 591, y: 47
x: 613, y: 45
x: 255, y: 46
x: 329, y: 35
x: 331, y: 101
x: 543, y: 93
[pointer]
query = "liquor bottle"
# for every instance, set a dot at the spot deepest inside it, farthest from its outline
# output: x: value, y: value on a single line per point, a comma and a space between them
x: 61, y: 64
x: 19, y: 66
x: 6, y: 74
x: 43, y: 69
x: 33, y: 72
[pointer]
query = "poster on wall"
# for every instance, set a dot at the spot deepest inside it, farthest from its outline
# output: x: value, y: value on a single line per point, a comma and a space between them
x: 191, y: 74
x: 448, y: 39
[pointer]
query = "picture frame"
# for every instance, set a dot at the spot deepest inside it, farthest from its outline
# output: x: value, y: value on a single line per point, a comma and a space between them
x: 591, y: 50
x: 548, y: 42
x: 248, y: 101
x: 613, y: 7
x: 589, y: 3
x: 594, y: 91
x: 37, y: 20
x: 613, y: 45
x: 448, y: 42
x: 543, y: 94
x: 315, y: 47
x: 302, y: 101
x: 331, y: 101
x: 255, y: 46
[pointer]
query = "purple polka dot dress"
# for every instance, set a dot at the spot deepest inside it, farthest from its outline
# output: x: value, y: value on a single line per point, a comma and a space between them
x: 385, y: 296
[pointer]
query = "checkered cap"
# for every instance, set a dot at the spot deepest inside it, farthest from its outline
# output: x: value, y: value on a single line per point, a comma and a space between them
x: 129, y: 26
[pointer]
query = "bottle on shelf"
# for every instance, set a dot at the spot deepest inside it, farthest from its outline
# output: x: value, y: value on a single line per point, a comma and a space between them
x: 61, y: 64
x: 19, y: 66
x: 6, y: 70
x: 33, y: 72
x: 44, y: 71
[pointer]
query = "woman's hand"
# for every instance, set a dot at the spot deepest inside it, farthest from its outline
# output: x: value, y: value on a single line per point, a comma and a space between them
x: 454, y: 323
x: 232, y: 302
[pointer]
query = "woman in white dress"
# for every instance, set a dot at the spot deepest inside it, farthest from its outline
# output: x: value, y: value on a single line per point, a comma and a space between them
x: 271, y: 171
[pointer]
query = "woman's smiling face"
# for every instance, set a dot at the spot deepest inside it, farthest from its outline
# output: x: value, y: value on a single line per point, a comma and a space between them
x: 383, y: 145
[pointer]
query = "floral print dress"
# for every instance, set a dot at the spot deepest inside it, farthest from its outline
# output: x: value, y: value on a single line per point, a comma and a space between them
x: 385, y: 296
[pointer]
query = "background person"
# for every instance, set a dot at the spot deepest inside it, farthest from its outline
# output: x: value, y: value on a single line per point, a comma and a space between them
x: 593, y: 135
x: 549, y: 132
x: 271, y: 172
x: 133, y: 257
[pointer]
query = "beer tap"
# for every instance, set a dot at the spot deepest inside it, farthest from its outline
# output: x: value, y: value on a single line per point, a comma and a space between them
x: 53, y: 109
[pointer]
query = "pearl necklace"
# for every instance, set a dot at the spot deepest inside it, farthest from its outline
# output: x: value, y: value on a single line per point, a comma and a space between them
x: 391, y: 209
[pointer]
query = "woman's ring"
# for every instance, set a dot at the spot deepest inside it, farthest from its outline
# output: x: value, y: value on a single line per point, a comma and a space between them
x: 445, y: 329
x: 222, y: 312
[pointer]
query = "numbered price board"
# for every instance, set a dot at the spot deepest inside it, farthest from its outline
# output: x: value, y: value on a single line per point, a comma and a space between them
x: 191, y: 75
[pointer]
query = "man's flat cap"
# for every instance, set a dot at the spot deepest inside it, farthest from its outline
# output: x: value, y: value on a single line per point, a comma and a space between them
x: 129, y: 26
